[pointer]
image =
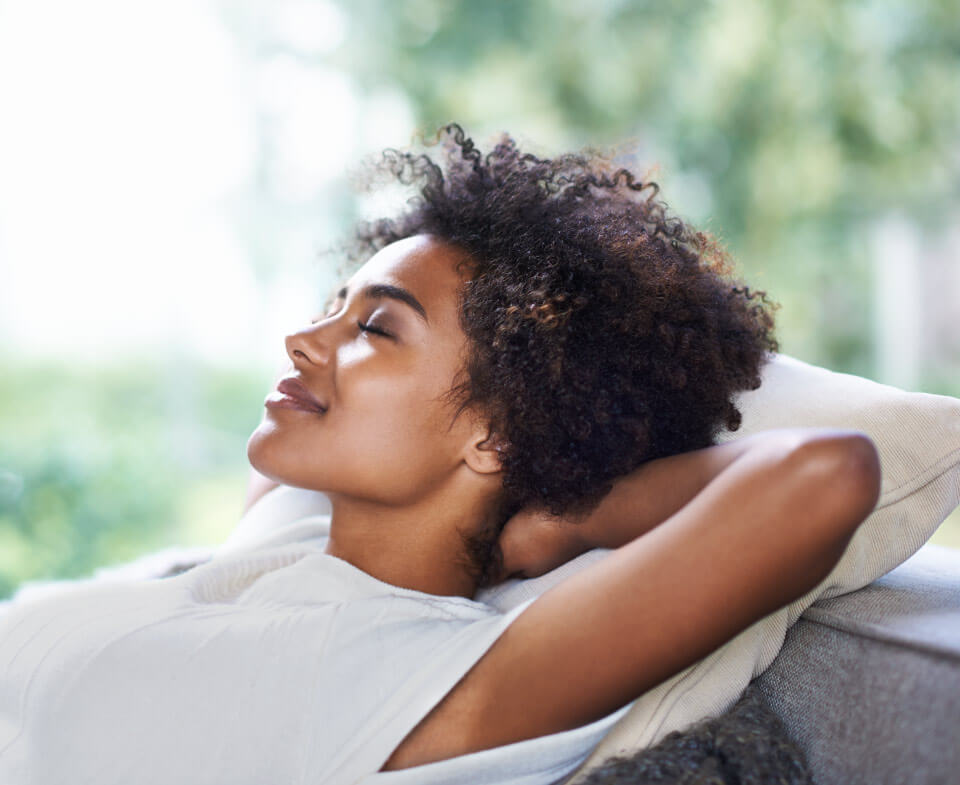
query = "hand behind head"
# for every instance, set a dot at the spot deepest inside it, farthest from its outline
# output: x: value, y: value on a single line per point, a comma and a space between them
x: 534, y: 542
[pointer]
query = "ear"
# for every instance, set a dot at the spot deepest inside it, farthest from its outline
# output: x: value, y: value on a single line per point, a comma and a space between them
x: 483, y: 452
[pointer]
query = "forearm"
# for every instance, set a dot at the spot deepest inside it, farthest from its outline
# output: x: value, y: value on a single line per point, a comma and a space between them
x: 646, y: 497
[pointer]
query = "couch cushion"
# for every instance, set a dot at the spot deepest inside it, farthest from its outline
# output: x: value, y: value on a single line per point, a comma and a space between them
x: 868, y: 684
x: 915, y: 605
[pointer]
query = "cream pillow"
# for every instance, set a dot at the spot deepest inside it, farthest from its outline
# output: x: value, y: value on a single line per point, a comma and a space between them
x: 918, y: 439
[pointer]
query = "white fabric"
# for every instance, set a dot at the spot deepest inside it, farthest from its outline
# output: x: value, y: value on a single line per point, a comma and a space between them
x: 272, y: 662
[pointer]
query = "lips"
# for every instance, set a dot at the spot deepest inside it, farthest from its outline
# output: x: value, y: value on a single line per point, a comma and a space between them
x: 293, y: 387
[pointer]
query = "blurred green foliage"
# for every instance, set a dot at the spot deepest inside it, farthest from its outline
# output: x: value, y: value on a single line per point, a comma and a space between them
x: 100, y: 466
x: 948, y: 535
x: 787, y: 129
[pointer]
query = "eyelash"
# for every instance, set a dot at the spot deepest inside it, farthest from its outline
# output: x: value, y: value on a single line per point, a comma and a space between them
x: 375, y: 330
x: 363, y: 327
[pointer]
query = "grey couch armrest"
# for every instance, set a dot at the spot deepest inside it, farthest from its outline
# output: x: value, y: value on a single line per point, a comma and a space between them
x: 868, y: 683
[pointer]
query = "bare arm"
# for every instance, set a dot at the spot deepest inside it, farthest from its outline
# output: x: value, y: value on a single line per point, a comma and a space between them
x: 766, y: 529
x: 534, y: 542
x: 648, y: 496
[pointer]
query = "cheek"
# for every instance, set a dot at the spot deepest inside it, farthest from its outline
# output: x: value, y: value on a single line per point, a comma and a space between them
x: 401, y: 423
x: 385, y: 436
x: 398, y: 398
x: 272, y: 449
x: 399, y: 434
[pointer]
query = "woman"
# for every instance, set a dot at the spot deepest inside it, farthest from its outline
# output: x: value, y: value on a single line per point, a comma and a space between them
x: 533, y: 361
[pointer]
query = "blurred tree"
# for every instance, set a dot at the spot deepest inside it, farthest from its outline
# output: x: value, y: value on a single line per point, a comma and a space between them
x: 789, y: 129
x: 95, y: 469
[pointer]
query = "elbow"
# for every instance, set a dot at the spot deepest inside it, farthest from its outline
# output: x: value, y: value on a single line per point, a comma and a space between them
x: 864, y: 470
x: 848, y: 467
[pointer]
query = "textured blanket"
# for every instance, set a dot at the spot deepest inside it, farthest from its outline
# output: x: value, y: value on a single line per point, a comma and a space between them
x: 747, y: 745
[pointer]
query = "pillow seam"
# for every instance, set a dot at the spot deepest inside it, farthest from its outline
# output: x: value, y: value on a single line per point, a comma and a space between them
x: 920, y: 480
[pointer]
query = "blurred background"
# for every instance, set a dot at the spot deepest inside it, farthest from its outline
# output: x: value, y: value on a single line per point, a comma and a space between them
x: 171, y: 174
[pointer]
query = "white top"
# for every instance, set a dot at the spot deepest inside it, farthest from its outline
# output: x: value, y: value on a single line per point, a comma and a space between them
x: 273, y: 662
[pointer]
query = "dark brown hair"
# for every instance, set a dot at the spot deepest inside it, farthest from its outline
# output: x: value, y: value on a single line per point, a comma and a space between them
x: 603, y: 331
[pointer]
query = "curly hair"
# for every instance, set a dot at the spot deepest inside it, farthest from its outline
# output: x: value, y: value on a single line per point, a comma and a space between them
x: 602, y: 331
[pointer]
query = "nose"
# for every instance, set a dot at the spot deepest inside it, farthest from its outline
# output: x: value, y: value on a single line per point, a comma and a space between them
x: 309, y: 345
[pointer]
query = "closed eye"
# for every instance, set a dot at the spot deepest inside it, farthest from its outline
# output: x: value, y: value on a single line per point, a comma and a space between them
x: 375, y: 330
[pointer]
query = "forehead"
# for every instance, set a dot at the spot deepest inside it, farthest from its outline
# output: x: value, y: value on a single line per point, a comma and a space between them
x: 423, y: 265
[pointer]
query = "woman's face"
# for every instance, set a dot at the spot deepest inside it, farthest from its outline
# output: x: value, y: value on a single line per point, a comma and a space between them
x: 385, y: 435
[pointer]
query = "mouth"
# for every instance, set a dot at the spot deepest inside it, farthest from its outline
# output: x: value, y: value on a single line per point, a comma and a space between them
x: 291, y: 394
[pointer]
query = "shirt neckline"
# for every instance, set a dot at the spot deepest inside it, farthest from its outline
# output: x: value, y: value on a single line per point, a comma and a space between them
x: 383, y: 587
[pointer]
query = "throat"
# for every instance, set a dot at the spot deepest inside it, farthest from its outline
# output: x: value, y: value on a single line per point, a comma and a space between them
x: 419, y: 564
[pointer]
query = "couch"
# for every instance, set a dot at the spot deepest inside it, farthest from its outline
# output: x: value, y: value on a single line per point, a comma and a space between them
x: 868, y: 683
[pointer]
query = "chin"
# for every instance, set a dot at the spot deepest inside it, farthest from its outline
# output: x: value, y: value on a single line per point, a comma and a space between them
x: 274, y: 458
x: 258, y: 454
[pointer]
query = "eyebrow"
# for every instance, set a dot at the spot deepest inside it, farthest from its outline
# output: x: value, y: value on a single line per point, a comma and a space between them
x: 375, y: 291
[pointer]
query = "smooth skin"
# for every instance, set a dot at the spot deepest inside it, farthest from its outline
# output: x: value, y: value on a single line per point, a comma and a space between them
x: 705, y: 543
x: 387, y: 452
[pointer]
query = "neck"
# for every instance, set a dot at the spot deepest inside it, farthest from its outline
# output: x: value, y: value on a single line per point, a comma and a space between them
x: 416, y: 547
